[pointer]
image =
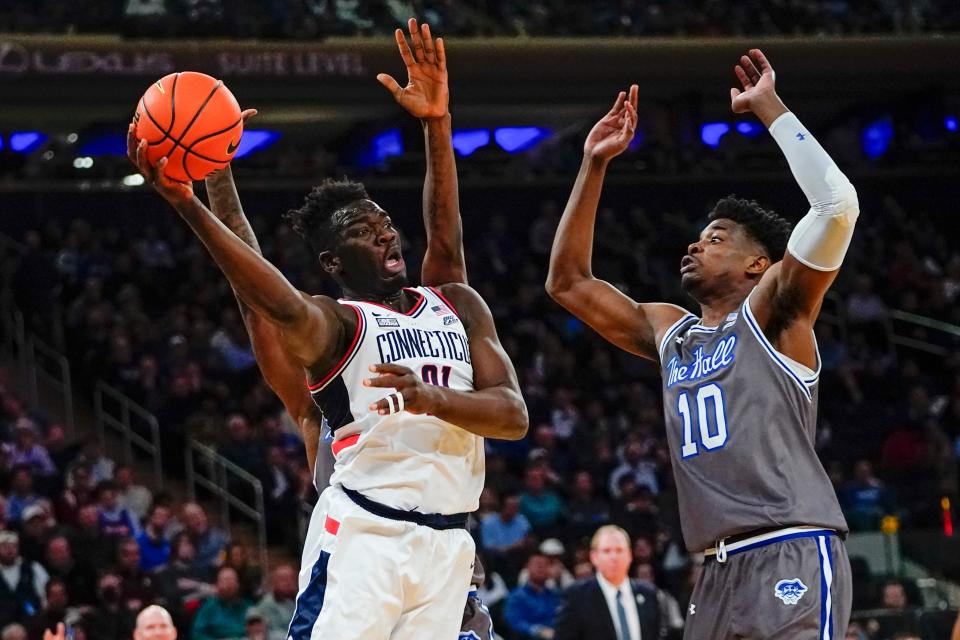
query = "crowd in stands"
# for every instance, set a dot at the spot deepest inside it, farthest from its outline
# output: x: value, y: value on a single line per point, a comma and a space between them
x: 144, y: 309
x: 82, y: 542
x: 313, y: 18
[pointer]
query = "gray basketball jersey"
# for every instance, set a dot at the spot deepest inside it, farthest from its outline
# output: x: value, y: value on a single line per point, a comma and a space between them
x: 741, y: 419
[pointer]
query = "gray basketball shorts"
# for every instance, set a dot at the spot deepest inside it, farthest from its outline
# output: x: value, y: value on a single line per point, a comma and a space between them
x: 792, y: 586
x: 476, y: 623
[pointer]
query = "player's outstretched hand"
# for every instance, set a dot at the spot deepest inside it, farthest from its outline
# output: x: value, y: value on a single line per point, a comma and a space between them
x: 758, y: 80
x: 613, y: 133
x: 60, y: 634
x: 427, y: 94
x: 415, y: 395
x: 172, y: 191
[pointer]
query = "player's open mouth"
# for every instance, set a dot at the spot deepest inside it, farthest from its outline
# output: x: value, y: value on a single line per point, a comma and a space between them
x: 394, y: 261
x: 687, y: 264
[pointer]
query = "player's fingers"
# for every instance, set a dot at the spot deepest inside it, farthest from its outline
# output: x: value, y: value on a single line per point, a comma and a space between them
x: 142, y: 163
x: 386, y: 367
x: 761, y: 61
x: 388, y: 81
x: 634, y: 93
x: 734, y: 92
x: 386, y: 381
x: 750, y: 68
x: 742, y: 77
x: 132, y: 143
x: 404, y: 48
x: 428, y: 48
x: 415, y: 39
x: 618, y: 103
x: 393, y: 403
x: 441, y: 55
x: 247, y: 114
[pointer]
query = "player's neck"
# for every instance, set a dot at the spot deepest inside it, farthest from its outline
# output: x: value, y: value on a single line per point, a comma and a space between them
x: 715, y: 310
x: 395, y: 300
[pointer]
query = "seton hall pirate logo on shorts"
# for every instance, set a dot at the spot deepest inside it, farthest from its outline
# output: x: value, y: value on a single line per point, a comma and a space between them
x: 790, y: 591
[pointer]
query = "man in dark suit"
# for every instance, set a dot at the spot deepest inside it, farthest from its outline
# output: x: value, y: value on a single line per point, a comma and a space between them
x: 609, y: 606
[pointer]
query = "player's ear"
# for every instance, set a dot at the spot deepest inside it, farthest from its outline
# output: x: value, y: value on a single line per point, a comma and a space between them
x: 757, y: 265
x: 329, y: 261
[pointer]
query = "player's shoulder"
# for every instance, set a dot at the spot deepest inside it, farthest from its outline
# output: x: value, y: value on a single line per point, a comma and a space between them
x: 459, y: 296
x: 346, y: 313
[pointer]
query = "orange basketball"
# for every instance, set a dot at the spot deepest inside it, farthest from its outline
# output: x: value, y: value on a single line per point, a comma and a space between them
x: 193, y: 120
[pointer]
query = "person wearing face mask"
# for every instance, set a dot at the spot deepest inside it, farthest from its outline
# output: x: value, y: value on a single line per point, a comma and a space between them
x: 110, y: 619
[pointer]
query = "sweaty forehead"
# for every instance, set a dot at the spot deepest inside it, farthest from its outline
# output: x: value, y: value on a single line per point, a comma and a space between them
x: 721, y: 224
x: 354, y: 211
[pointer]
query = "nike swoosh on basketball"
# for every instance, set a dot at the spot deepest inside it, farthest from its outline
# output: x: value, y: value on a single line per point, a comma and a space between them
x: 231, y: 147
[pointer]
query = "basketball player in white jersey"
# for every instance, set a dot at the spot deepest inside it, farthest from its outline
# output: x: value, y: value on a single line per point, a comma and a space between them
x: 392, y: 559
x: 740, y: 383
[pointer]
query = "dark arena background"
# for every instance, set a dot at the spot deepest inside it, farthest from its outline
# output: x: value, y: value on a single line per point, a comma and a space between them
x: 127, y: 376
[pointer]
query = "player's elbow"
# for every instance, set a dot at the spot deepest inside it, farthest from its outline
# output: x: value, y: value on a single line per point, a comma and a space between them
x: 561, y: 282
x: 519, y: 423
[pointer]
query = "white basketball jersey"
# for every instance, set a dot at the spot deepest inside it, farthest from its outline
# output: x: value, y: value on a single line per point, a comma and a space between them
x: 405, y: 461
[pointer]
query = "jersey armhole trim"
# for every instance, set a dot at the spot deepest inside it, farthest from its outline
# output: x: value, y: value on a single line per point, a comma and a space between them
x: 674, y: 328
x: 446, y: 302
x: 348, y: 356
x: 780, y: 359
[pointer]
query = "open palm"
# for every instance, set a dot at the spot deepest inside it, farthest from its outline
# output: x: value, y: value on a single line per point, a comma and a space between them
x: 427, y: 93
x: 758, y: 80
x: 613, y: 133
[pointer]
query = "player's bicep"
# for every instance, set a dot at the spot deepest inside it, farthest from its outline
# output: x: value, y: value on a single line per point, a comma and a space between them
x: 491, y: 364
x: 805, y: 286
x: 316, y: 334
x: 634, y: 327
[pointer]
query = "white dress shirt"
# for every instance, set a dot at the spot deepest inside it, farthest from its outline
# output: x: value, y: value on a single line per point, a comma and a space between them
x: 628, y: 602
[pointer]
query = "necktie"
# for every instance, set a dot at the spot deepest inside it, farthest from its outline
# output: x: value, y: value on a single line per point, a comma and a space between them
x: 622, y: 614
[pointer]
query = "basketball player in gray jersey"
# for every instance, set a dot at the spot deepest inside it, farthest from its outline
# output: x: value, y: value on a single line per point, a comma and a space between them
x: 740, y: 383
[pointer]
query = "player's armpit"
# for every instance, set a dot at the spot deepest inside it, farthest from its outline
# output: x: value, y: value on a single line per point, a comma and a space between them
x: 634, y: 327
x: 496, y: 408
x: 316, y: 338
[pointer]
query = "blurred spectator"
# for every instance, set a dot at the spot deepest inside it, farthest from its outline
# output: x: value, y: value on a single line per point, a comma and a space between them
x: 26, y: 451
x: 154, y: 623
x: 531, y: 609
x: 13, y: 631
x: 135, y: 498
x: 78, y: 578
x: 136, y: 586
x: 255, y: 627
x: 154, y: 546
x: 209, y: 542
x: 110, y: 619
x: 222, y: 615
x: 55, y: 610
x: 98, y: 549
x: 636, y: 465
x: 79, y: 491
x: 279, y: 488
x: 22, y: 494
x: 113, y: 519
x: 22, y: 582
x: 505, y: 536
x: 585, y: 510
x: 250, y: 576
x: 894, y: 619
x: 91, y: 456
x: 629, y: 607
x: 240, y: 447
x: 182, y: 584
x: 542, y: 507
x: 560, y: 578
x: 36, y: 527
x: 864, y: 499
x: 276, y: 607
x: 671, y: 616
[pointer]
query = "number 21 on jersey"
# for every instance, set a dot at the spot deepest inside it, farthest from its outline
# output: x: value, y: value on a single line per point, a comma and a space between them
x: 711, y: 419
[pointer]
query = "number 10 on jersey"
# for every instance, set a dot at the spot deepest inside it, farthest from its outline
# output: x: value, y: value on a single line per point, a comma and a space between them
x: 711, y: 419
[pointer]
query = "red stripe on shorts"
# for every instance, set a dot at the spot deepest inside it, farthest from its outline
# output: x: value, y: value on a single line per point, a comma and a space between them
x: 331, y: 525
x: 349, y: 441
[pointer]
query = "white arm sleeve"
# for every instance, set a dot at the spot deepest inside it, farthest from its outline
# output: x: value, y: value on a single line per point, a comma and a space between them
x: 821, y: 238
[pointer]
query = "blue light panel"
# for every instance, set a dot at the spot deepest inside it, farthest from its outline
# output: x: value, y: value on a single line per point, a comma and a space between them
x: 519, y: 139
x: 256, y: 140
x: 26, y: 141
x: 466, y: 141
x: 950, y: 122
x: 749, y: 129
x: 876, y: 137
x: 111, y: 144
x: 712, y: 132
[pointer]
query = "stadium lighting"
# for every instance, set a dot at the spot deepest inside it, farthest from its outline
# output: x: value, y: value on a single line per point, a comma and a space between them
x: 83, y: 162
x: 133, y: 180
x: 466, y: 141
x: 112, y: 144
x: 518, y: 139
x: 712, y: 132
x: 1, y: 143
x: 749, y: 129
x: 255, y: 140
x: 876, y: 137
x: 382, y: 146
x: 950, y: 122
x: 26, y: 141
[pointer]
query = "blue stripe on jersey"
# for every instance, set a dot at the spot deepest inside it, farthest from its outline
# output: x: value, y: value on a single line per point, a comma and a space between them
x: 673, y: 330
x: 762, y: 339
x: 310, y: 602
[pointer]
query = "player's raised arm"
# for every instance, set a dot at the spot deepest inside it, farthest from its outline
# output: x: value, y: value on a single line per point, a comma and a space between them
x: 819, y: 241
x: 496, y: 390
x: 426, y: 96
x: 632, y: 326
x: 310, y: 328
x: 279, y: 369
